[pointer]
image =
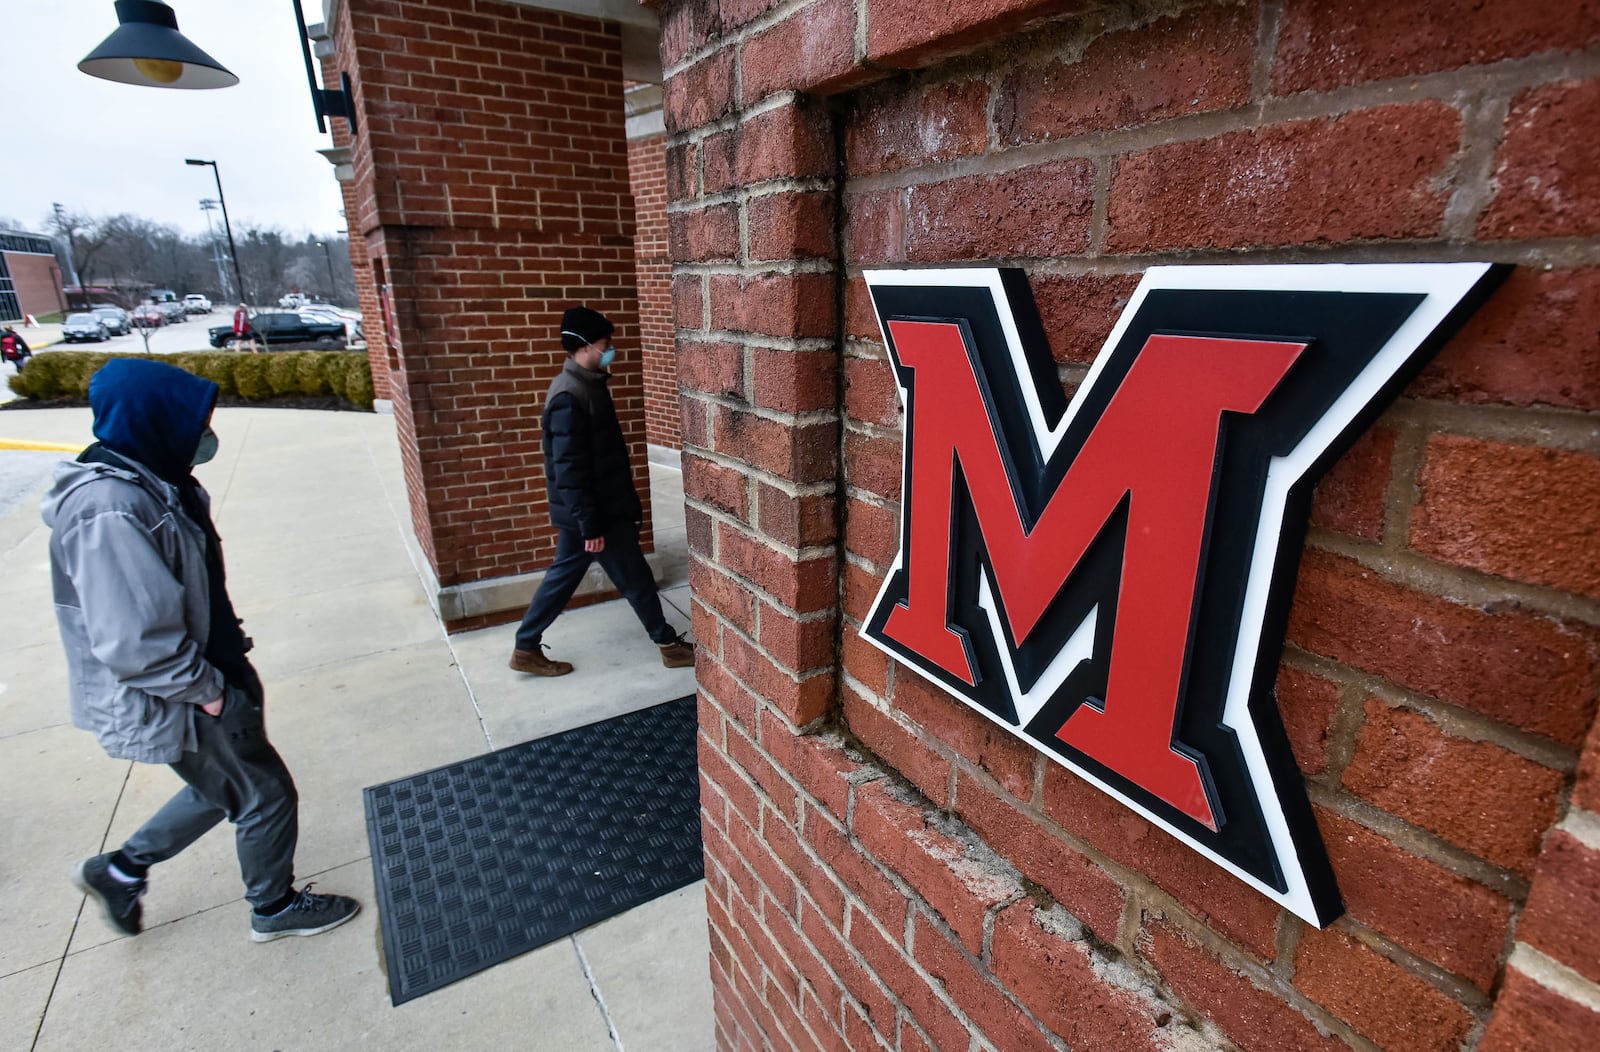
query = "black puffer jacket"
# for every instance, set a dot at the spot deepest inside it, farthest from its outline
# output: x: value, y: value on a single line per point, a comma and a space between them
x: 585, y: 456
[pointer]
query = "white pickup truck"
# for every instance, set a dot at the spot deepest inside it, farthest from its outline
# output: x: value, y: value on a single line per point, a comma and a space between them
x: 194, y: 303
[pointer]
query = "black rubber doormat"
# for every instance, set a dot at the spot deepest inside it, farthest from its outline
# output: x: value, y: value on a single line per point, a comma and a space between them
x: 482, y: 860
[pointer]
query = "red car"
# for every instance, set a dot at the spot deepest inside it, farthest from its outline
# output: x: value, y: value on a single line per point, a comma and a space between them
x: 148, y: 316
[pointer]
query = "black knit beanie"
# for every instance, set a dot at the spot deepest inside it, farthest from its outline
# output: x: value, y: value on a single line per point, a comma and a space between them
x: 581, y: 326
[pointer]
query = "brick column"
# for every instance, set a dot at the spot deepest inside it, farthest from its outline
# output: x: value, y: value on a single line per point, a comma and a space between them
x: 360, y: 262
x: 647, y: 175
x: 758, y: 299
x: 492, y: 192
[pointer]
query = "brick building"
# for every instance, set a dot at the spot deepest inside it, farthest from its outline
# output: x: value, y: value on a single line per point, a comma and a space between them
x: 487, y: 187
x: 647, y: 178
x: 885, y: 868
x: 30, y: 278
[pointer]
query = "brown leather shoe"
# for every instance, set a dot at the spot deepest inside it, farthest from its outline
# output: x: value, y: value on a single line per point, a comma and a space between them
x: 534, y: 663
x: 677, y: 654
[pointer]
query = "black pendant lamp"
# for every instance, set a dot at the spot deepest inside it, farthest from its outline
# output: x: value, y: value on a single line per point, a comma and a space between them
x: 147, y: 49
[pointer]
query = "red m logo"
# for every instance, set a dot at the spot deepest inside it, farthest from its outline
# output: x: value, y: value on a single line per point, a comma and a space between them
x: 1108, y: 579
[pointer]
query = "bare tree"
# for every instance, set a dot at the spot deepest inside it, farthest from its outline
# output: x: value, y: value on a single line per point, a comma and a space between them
x: 139, y: 254
x: 335, y: 259
x: 84, y: 237
x: 302, y: 273
x: 130, y: 251
x: 263, y: 256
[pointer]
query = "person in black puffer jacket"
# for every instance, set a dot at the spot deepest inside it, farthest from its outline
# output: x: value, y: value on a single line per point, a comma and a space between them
x: 593, y: 504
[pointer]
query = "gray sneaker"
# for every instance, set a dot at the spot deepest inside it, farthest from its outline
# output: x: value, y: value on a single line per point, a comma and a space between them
x: 308, y: 914
x: 121, y: 901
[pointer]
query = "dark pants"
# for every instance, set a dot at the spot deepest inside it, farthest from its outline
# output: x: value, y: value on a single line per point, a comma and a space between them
x: 236, y: 774
x: 622, y: 561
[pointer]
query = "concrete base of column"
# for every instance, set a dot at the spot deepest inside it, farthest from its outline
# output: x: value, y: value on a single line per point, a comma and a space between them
x: 481, y: 601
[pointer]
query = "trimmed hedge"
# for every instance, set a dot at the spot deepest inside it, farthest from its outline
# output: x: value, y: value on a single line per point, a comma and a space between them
x: 64, y: 375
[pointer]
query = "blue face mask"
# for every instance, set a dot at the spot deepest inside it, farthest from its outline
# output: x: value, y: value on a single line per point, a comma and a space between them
x: 207, y: 448
x: 608, y: 356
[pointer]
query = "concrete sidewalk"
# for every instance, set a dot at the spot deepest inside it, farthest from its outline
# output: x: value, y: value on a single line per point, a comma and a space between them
x: 363, y: 687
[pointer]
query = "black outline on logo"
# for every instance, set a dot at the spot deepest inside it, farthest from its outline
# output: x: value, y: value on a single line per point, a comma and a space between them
x: 1369, y: 330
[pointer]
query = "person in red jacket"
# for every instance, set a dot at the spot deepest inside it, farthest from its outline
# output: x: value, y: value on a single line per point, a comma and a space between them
x: 13, y: 348
x: 244, y: 337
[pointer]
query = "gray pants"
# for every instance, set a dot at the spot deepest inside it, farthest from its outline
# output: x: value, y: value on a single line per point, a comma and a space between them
x: 236, y: 774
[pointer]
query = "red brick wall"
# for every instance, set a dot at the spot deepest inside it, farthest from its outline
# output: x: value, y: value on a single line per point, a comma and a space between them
x: 361, y: 264
x: 491, y: 186
x: 372, y: 324
x: 647, y: 174
x: 37, y: 280
x: 885, y: 868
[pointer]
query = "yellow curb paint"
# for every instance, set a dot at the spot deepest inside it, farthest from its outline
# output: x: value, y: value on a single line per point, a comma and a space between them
x: 44, y: 447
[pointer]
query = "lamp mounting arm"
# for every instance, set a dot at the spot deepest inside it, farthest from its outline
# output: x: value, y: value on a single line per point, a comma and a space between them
x: 327, y: 102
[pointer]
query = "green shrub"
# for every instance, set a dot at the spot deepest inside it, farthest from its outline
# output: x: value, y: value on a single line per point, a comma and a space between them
x: 333, y: 370
x: 281, y: 372
x: 75, y: 372
x: 308, y: 376
x: 64, y: 375
x: 218, y: 368
x: 54, y: 375
x: 358, y: 380
x: 250, y: 374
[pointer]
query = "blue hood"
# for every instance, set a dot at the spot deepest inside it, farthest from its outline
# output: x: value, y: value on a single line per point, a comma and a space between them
x: 151, y: 412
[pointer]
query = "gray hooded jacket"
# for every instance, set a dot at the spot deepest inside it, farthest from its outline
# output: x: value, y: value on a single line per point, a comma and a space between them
x: 128, y: 570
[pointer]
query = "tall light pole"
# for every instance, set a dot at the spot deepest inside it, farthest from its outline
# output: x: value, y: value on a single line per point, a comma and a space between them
x: 232, y: 250
x: 207, y: 205
x: 328, y: 256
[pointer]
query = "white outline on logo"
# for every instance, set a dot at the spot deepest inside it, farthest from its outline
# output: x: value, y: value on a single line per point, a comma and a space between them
x: 1443, y: 286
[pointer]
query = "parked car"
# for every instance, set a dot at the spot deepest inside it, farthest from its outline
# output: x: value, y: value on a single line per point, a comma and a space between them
x: 174, y: 311
x: 285, y: 329
x: 351, y: 320
x: 85, y: 328
x: 148, y: 316
x: 117, y: 321
x: 294, y: 299
x: 194, y: 303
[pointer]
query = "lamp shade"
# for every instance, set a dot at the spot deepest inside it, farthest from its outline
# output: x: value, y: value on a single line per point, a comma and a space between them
x: 147, y: 49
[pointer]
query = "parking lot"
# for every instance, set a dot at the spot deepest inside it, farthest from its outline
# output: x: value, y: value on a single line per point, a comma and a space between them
x: 186, y: 336
x: 192, y: 334
x: 189, y: 335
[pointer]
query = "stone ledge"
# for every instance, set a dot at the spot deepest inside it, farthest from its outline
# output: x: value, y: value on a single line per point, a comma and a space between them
x: 664, y: 457
x: 462, y: 602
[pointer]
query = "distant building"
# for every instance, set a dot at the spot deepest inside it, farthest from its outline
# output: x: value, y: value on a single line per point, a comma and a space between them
x: 30, y: 279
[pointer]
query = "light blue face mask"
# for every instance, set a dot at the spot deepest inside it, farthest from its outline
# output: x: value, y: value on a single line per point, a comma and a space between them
x: 608, y: 356
x: 207, y: 447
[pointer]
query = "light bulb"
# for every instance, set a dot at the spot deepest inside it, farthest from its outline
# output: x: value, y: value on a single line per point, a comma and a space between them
x: 160, y: 70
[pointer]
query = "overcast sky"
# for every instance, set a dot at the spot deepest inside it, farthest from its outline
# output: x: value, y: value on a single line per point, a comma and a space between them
x: 102, y: 148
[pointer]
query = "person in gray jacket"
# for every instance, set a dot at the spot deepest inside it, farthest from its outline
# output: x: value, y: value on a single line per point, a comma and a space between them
x: 156, y: 655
